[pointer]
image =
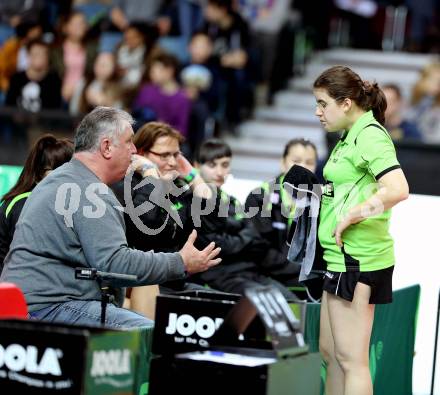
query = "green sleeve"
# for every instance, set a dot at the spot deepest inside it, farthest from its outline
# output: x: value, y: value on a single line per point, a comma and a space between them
x: 375, y: 152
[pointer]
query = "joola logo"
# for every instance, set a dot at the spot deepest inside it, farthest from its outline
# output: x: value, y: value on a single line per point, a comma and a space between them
x: 186, y: 325
x: 112, y: 362
x: 16, y: 358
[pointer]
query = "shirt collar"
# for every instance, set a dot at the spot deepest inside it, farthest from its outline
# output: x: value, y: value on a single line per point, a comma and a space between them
x: 363, y: 121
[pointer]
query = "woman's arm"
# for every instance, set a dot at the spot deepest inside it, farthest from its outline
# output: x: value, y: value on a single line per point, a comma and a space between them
x: 192, y: 176
x: 393, y: 188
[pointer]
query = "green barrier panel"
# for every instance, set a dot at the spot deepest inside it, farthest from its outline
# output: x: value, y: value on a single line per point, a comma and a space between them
x: 143, y: 373
x: 8, y: 177
x: 45, y: 358
x: 391, y: 356
x: 392, y: 341
x: 112, y: 362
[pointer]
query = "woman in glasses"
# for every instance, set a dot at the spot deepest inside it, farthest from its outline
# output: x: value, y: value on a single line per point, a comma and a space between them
x: 365, y: 181
x: 160, y: 194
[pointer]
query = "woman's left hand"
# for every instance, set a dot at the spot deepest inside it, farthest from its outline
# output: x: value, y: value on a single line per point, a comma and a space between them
x: 184, y: 167
x: 143, y: 166
x: 340, y: 228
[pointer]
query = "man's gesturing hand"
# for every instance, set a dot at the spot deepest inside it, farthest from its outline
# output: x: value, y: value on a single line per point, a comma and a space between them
x: 198, y: 261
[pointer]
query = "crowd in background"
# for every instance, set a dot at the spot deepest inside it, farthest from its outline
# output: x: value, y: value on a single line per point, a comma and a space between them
x: 198, y: 65
x: 193, y: 64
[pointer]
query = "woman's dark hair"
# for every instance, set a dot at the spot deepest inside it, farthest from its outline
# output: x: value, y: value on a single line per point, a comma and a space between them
x: 343, y: 83
x: 299, y: 141
x: 63, y: 21
x: 213, y: 149
x: 167, y: 60
x: 22, y: 29
x: 149, y: 32
x: 148, y: 134
x: 47, y: 153
x: 40, y: 42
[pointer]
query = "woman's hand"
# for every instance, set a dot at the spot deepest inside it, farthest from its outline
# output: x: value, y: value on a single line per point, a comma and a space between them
x: 393, y: 188
x: 340, y: 228
x: 143, y: 166
x: 184, y: 167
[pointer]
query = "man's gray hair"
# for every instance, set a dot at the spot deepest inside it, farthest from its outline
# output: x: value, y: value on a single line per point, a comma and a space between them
x: 101, y: 122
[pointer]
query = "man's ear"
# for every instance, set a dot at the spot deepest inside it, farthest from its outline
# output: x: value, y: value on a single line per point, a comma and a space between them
x: 106, y: 148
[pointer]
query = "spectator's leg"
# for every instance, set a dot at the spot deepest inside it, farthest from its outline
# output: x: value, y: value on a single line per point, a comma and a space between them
x: 190, y: 18
x: 198, y: 120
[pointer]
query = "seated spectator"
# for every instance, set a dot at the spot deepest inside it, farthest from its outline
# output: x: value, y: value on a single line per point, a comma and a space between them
x: 59, y: 229
x: 200, y: 79
x: 425, y: 101
x: 163, y: 95
x: 165, y: 183
x: 275, y: 211
x: 132, y: 53
x: 266, y: 19
x: 398, y: 127
x: 103, y: 89
x: 229, y: 33
x: 16, y: 12
x: 230, y: 36
x: 73, y: 56
x: 242, y: 246
x: 190, y: 13
x: 13, y: 53
x: 158, y: 145
x: 37, y: 88
x: 203, y: 83
x: 126, y: 12
x: 46, y: 155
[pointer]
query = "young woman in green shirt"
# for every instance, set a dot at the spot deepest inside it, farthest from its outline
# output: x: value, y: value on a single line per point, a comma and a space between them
x: 364, y: 181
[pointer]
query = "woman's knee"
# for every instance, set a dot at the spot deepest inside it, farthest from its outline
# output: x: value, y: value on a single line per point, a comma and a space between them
x: 350, y: 360
x: 326, y: 348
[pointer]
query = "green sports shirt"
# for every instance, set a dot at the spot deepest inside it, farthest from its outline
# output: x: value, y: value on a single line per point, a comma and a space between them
x: 363, y: 155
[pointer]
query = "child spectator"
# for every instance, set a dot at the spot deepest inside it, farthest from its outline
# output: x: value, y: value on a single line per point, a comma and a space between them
x: 163, y: 95
x: 37, y: 88
x: 13, y: 53
x: 102, y: 89
x: 135, y: 47
x: 73, y: 58
x: 398, y: 127
x: 230, y: 36
x: 200, y: 79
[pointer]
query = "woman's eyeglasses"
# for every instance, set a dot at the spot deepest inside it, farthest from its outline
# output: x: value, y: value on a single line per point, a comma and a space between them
x: 165, y: 156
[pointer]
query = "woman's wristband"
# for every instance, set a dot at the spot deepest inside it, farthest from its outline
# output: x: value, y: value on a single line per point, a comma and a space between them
x: 192, y: 174
x: 145, y: 167
x: 148, y: 166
